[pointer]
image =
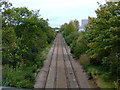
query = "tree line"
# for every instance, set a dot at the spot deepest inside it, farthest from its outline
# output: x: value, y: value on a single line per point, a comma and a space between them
x: 25, y: 37
x: 99, y: 43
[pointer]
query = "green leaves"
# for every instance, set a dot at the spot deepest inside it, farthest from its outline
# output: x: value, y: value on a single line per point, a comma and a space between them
x: 103, y: 35
x: 69, y: 28
x: 24, y: 37
x: 100, y: 40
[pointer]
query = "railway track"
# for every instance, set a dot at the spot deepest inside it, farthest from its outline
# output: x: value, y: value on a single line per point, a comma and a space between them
x: 74, y: 80
x: 60, y: 70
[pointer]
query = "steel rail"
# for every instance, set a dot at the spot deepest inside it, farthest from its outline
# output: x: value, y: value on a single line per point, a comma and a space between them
x: 50, y: 61
x: 71, y: 64
x: 56, y: 66
x: 67, y: 79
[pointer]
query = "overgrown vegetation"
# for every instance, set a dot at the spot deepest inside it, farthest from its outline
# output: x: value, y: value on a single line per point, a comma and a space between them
x: 100, y: 42
x: 25, y: 36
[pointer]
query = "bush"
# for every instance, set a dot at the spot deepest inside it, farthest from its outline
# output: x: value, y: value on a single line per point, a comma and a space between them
x: 71, y: 38
x: 80, y: 45
x: 84, y: 59
x: 18, y: 77
x: 112, y: 64
x: 69, y: 28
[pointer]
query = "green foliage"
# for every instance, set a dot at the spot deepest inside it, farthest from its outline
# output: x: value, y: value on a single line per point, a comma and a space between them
x: 20, y: 76
x: 104, y: 30
x: 70, y: 32
x: 103, y: 35
x: 84, y: 59
x: 10, y: 47
x: 4, y: 5
x: 100, y: 40
x: 69, y: 28
x: 25, y: 37
x: 72, y: 37
x: 112, y: 63
x: 81, y: 45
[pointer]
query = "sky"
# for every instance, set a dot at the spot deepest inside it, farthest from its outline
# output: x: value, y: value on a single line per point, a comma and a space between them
x: 61, y: 11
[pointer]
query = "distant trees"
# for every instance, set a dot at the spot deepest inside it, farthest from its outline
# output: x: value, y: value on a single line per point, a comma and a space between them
x: 71, y: 27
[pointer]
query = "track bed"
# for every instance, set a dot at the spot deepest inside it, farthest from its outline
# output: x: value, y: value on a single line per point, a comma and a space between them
x: 60, y: 70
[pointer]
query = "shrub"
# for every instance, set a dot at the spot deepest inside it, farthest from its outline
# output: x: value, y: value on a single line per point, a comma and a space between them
x: 18, y: 77
x: 84, y: 59
x: 112, y: 64
x: 71, y: 38
x: 80, y: 45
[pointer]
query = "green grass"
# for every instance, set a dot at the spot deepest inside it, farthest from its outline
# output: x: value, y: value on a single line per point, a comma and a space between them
x: 100, y: 76
x: 101, y: 83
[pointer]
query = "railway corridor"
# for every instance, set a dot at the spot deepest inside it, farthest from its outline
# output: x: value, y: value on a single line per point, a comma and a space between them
x: 60, y: 70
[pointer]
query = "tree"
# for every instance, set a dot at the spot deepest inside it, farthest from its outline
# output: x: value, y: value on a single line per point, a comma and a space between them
x: 103, y: 35
x: 25, y: 37
x: 69, y: 28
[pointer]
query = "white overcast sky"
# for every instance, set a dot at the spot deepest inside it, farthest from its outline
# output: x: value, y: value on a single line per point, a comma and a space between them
x: 61, y: 11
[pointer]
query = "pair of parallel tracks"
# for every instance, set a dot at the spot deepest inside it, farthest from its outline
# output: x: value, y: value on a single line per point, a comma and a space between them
x: 60, y: 41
